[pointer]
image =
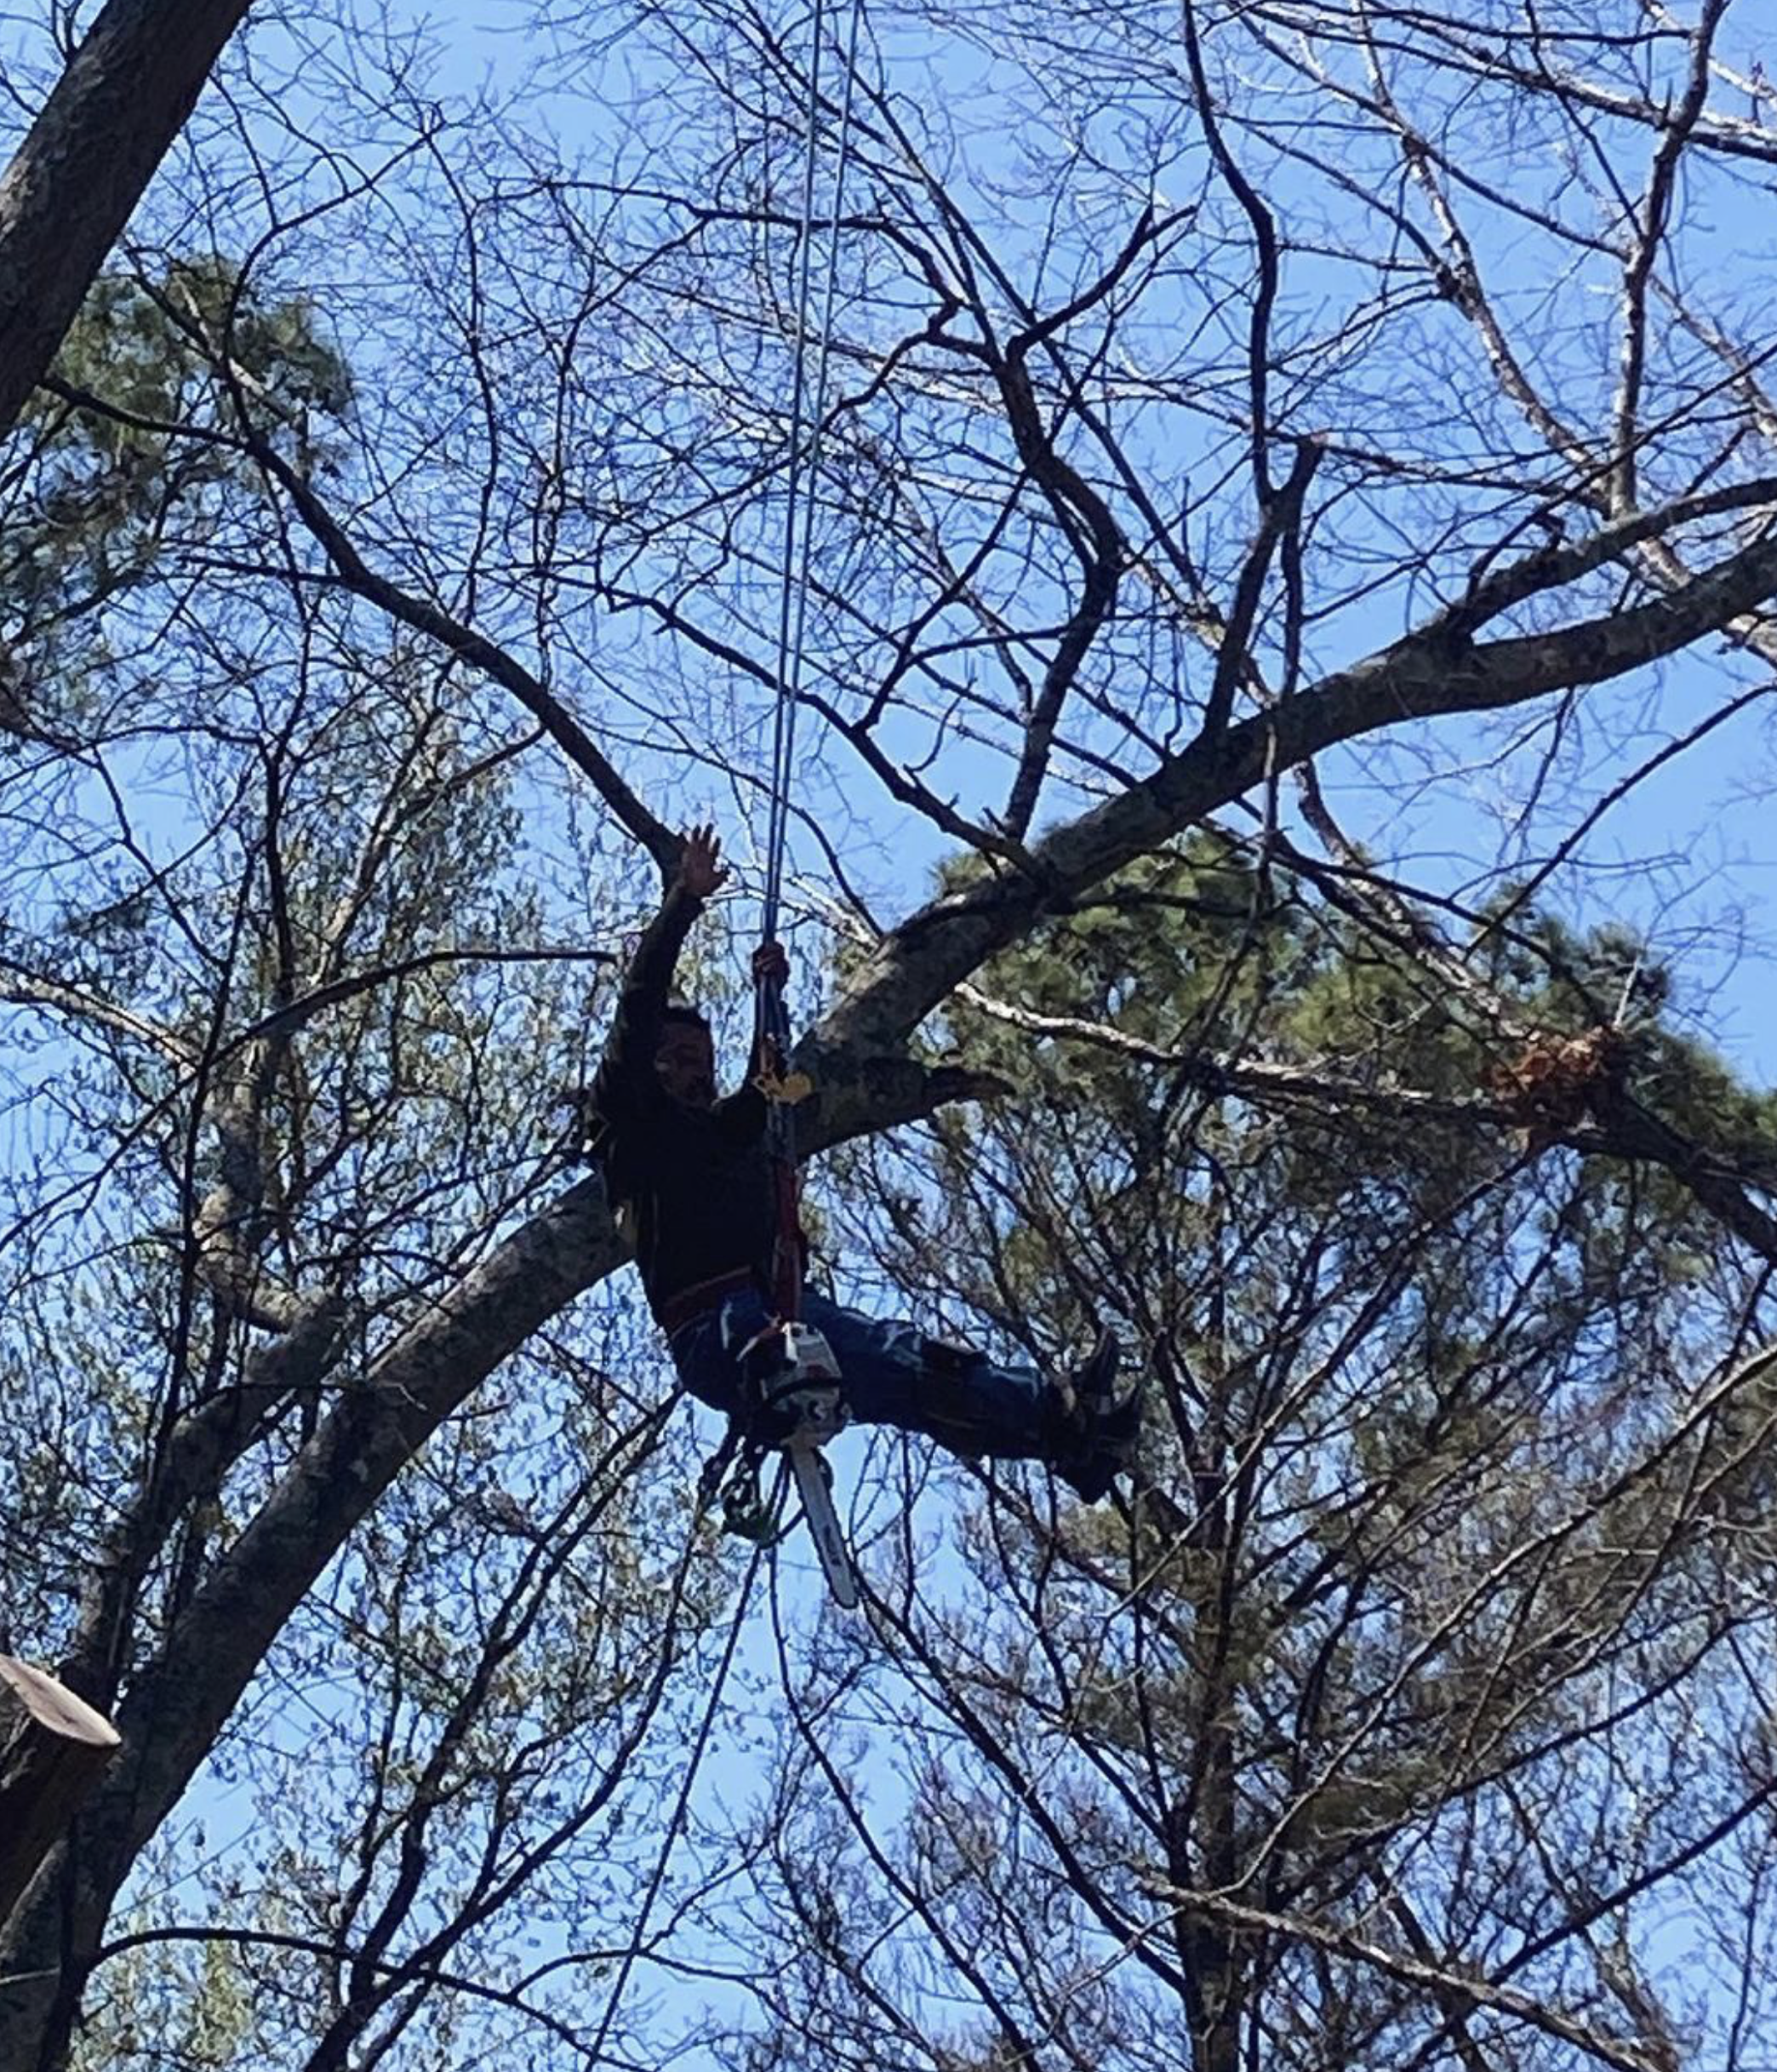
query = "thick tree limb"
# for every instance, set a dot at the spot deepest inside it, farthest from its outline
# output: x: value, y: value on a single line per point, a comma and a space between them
x: 53, y: 1747
x: 173, y: 1712
x: 861, y: 1097
x: 201, y: 1449
x: 376, y: 1428
x: 1424, y: 676
x: 84, y: 163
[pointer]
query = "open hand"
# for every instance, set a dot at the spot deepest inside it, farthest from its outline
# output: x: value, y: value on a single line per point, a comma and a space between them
x: 702, y: 871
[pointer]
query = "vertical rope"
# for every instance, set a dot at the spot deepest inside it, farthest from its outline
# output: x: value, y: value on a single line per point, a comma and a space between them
x: 807, y: 426
x: 806, y: 429
x: 782, y: 730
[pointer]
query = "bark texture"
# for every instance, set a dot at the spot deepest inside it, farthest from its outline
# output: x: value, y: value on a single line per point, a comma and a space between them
x: 53, y: 1747
x: 173, y: 1713
x: 85, y: 164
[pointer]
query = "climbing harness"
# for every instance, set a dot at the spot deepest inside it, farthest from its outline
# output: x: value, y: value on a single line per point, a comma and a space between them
x: 790, y: 1383
x: 790, y: 1387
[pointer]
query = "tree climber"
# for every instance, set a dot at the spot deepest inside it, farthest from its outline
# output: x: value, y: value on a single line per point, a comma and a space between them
x: 694, y: 1174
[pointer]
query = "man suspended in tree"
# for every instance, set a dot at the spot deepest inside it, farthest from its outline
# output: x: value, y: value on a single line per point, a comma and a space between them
x: 695, y: 1174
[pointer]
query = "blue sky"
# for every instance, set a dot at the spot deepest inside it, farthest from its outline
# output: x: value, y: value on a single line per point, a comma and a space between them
x: 1687, y: 856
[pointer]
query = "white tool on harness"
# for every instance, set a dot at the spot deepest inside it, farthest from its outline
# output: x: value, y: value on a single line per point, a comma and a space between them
x: 790, y: 1372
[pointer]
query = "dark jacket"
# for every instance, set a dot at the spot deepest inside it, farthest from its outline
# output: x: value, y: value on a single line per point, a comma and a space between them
x: 697, y: 1183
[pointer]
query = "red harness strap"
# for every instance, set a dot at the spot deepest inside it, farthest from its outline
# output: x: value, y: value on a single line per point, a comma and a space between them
x: 700, y: 1298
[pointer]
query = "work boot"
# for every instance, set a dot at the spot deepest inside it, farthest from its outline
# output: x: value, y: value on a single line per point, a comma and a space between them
x: 1098, y: 1439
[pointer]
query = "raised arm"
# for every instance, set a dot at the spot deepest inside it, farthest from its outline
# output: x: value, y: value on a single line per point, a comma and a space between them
x: 626, y: 1072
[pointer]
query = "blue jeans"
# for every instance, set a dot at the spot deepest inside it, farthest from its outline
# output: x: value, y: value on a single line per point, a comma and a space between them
x: 893, y: 1374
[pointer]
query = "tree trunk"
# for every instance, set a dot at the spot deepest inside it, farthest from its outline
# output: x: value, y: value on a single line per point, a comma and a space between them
x: 53, y: 1746
x: 85, y: 162
x: 176, y: 1705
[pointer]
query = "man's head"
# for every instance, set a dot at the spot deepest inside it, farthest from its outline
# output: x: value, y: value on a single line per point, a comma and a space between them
x: 685, y: 1057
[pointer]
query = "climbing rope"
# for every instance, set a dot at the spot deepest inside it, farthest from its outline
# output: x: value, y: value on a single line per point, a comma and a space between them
x: 806, y: 423
x: 807, y: 427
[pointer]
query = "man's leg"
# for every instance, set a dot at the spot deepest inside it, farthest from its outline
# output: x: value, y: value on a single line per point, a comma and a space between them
x: 895, y: 1374
x: 706, y: 1351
